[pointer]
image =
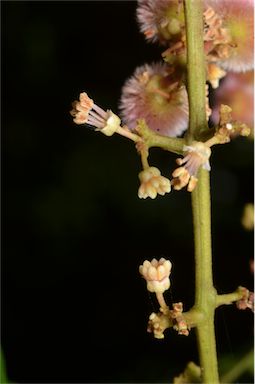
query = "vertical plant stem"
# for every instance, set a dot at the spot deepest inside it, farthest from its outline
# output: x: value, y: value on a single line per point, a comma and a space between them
x: 205, y: 294
x: 195, y: 67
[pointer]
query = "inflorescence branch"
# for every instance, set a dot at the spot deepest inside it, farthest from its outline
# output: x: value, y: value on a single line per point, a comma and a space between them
x: 157, y: 276
x: 196, y: 154
x: 173, y: 97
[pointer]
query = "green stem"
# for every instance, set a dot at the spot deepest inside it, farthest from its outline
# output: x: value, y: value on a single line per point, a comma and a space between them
x: 196, y: 67
x: 152, y: 139
x: 171, y: 144
x: 229, y: 298
x: 205, y: 296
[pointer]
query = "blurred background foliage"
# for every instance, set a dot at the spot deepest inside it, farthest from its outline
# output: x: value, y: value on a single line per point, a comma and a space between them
x: 74, y: 308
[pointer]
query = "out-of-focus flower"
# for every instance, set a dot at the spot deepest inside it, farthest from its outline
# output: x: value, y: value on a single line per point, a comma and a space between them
x: 161, y: 20
x: 152, y: 183
x: 237, y: 91
x: 197, y: 155
x: 229, y: 35
x: 248, y: 217
x: 86, y: 112
x: 156, y: 273
x: 154, y: 94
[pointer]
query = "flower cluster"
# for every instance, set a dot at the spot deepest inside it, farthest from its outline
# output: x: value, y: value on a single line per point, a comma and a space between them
x: 157, y: 93
x: 228, y: 30
x: 229, y: 33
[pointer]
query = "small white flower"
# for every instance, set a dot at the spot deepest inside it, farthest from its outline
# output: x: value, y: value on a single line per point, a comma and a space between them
x: 152, y: 183
x: 156, y: 273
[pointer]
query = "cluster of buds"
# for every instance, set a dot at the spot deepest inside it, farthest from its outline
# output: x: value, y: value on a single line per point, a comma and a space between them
x: 196, y: 155
x: 152, y: 183
x: 156, y: 273
x: 247, y: 300
x: 180, y: 324
x: 157, y: 324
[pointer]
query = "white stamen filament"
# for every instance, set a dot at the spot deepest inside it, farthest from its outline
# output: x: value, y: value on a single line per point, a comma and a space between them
x: 91, y: 113
x: 96, y: 123
x: 100, y: 111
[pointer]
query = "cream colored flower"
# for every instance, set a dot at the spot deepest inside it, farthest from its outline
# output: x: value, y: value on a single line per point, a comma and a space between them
x: 152, y: 183
x: 156, y: 273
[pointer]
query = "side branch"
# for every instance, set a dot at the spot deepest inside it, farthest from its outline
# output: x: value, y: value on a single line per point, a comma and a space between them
x: 152, y: 139
x: 229, y: 298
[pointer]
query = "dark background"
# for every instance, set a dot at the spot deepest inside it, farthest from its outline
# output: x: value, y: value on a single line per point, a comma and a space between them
x: 74, y: 308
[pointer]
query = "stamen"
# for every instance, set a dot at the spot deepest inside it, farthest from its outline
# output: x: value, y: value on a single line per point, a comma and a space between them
x: 100, y: 111
x: 95, y: 122
x: 91, y: 113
